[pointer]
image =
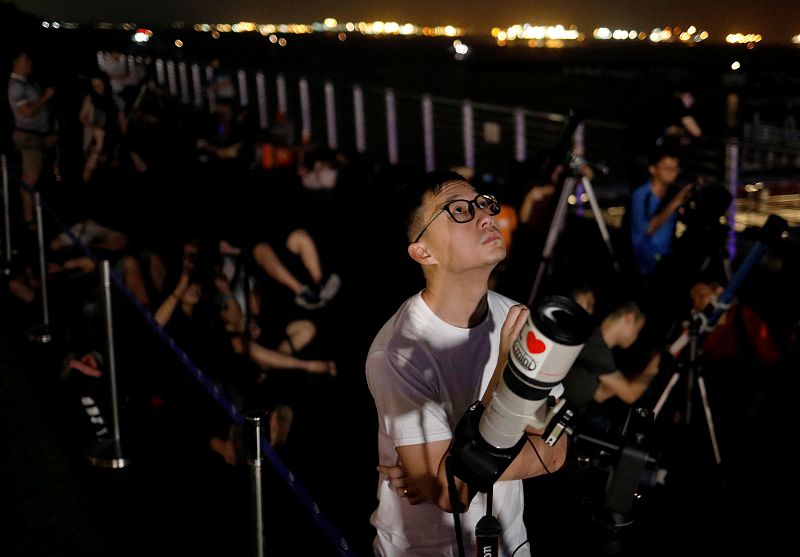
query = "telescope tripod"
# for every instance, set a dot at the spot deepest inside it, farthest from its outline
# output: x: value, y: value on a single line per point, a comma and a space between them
x: 557, y: 226
x: 693, y: 374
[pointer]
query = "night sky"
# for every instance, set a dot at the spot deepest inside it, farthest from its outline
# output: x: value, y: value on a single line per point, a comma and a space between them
x: 777, y: 20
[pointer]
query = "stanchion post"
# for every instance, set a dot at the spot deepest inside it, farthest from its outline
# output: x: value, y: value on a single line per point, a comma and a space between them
x: 108, y: 452
x: 258, y: 423
x: 41, y: 334
x: 6, y: 269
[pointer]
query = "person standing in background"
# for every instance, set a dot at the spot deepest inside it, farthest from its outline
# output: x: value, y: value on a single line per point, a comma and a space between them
x: 32, y: 135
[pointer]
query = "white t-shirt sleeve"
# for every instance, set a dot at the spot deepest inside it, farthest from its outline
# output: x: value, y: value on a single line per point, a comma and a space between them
x: 406, y: 398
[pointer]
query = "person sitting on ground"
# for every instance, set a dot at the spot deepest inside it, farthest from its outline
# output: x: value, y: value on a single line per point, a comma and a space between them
x: 741, y: 347
x: 104, y: 242
x: 202, y: 306
x: 277, y: 345
x: 739, y: 334
x: 318, y: 290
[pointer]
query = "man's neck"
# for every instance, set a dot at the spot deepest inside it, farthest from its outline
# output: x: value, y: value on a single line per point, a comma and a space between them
x: 459, y: 301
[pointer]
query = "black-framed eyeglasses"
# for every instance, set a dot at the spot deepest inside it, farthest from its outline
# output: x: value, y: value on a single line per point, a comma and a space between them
x: 463, y: 210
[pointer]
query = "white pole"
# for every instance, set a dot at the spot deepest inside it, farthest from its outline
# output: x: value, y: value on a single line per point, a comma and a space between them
x: 197, y: 86
x: 391, y: 127
x: 261, y: 91
x: 160, y: 77
x: 305, y: 109
x: 467, y: 121
x: 172, y: 82
x: 330, y: 115
x: 244, y: 100
x: 520, y: 147
x: 280, y: 86
x: 360, y: 122
x: 427, y: 130
x: 184, y: 80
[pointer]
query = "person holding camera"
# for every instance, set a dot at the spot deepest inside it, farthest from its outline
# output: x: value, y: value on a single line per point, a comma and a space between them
x: 654, y: 211
x: 442, y: 350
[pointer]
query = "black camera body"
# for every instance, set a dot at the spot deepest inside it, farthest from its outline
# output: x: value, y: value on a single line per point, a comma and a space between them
x: 630, y: 465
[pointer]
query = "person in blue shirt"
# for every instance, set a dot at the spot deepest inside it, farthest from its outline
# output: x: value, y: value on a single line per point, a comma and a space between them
x: 654, y: 212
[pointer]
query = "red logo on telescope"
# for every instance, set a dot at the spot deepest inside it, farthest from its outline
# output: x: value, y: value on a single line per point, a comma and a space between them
x: 535, y: 346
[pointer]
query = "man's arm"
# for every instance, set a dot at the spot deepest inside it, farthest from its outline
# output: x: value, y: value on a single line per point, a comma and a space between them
x: 691, y: 126
x: 627, y: 389
x: 537, y: 458
x: 426, y: 476
x: 425, y: 468
x: 675, y: 203
x: 31, y: 108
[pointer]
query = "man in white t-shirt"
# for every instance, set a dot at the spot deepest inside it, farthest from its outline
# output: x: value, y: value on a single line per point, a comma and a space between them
x: 440, y: 352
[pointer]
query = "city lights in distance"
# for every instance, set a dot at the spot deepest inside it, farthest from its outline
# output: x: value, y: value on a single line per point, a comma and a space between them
x: 525, y: 34
x: 332, y: 25
x: 554, y: 36
x: 740, y: 38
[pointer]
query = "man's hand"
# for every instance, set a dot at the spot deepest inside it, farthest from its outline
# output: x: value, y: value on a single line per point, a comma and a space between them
x: 401, y: 483
x: 515, y: 320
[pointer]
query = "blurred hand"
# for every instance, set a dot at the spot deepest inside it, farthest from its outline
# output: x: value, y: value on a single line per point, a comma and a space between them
x: 398, y: 478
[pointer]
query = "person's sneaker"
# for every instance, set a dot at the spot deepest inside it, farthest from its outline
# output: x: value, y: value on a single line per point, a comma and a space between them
x: 330, y: 288
x: 309, y: 298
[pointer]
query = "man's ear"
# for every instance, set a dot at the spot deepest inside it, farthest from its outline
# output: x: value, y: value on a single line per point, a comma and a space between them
x: 420, y: 254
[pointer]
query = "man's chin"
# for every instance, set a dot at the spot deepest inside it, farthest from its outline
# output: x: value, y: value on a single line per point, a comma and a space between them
x: 499, y: 256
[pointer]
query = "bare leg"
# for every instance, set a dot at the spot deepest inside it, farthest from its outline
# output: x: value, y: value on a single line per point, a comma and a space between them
x: 301, y: 244
x: 300, y: 333
x: 266, y: 257
x: 30, y: 179
x: 266, y: 358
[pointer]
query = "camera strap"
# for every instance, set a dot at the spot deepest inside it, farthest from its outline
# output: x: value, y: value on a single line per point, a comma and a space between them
x: 487, y: 532
x: 455, y: 503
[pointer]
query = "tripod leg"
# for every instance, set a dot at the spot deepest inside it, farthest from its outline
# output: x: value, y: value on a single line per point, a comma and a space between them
x: 689, y: 392
x: 601, y: 224
x: 709, y: 419
x: 552, y: 235
x: 665, y: 395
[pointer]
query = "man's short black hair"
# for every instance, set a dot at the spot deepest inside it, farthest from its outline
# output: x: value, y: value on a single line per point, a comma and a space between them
x: 626, y: 307
x: 662, y: 152
x: 416, y: 190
